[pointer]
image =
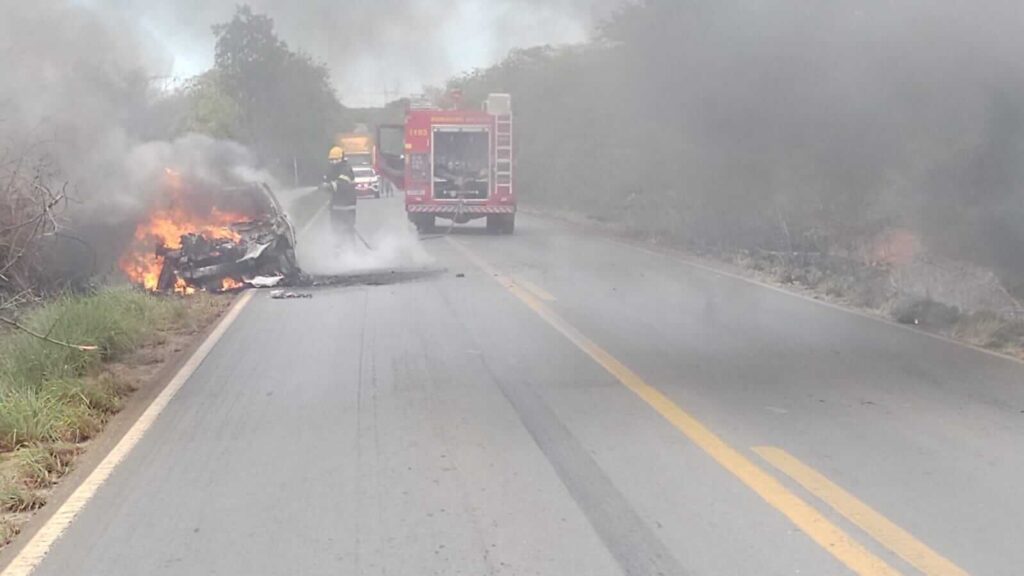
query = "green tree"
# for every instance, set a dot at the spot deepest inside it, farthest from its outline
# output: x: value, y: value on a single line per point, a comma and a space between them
x: 287, y: 108
x: 210, y: 109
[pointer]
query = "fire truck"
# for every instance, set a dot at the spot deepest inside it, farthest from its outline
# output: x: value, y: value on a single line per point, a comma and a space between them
x: 453, y: 165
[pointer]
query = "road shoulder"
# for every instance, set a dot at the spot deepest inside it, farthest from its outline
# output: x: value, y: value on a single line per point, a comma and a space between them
x: 99, y: 448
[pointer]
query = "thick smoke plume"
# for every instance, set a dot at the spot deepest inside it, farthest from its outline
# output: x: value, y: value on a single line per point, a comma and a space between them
x: 76, y: 89
x: 70, y: 88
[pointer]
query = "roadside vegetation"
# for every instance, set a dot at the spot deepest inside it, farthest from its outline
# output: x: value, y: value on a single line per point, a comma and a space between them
x: 67, y: 370
x: 777, y: 140
x: 260, y: 92
x: 72, y: 347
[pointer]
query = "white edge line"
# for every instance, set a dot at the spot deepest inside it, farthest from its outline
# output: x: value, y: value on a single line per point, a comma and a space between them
x: 315, y: 218
x: 29, y: 558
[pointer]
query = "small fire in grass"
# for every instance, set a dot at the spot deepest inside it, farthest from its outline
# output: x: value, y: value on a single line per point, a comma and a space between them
x: 163, y: 229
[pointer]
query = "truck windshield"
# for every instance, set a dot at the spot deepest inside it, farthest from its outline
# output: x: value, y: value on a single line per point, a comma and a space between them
x: 461, y: 164
x: 360, y: 159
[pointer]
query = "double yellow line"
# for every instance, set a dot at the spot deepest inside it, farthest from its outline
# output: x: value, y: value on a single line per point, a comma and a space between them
x: 883, y: 530
x: 825, y: 533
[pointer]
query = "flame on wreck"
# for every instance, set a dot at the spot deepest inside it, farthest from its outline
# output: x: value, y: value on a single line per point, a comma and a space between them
x: 164, y: 229
x: 159, y: 259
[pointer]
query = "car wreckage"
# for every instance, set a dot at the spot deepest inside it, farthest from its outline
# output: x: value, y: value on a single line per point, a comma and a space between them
x: 259, y: 251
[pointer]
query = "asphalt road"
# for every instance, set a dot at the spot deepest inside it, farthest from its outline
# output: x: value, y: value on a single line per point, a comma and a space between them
x: 561, y: 403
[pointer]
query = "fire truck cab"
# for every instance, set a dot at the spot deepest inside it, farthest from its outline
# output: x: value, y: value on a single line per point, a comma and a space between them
x: 453, y: 165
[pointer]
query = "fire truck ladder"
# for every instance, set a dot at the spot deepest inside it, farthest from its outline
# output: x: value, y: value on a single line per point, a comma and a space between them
x: 503, y: 153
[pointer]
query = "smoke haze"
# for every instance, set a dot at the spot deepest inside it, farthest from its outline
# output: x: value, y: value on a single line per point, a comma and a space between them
x: 76, y: 97
x: 76, y: 88
x: 79, y: 75
x: 779, y: 125
x: 377, y: 49
x: 393, y: 243
x: 737, y: 123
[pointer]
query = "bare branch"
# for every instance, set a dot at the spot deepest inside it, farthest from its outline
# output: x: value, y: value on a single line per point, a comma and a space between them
x: 80, y: 348
x: 30, y: 208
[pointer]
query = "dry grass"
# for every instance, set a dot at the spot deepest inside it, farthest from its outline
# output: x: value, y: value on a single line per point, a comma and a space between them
x: 16, y: 496
x: 992, y: 331
x: 51, y: 393
x: 9, y: 528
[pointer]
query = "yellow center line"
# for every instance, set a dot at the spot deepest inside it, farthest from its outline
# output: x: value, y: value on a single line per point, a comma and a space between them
x: 879, y: 527
x: 534, y: 289
x: 826, y: 534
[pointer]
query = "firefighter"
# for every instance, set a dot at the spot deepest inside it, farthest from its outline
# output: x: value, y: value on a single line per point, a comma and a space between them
x: 338, y: 167
x: 340, y: 178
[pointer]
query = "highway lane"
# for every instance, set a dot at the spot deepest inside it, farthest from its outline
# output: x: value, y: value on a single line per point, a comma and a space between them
x: 922, y: 429
x: 463, y: 424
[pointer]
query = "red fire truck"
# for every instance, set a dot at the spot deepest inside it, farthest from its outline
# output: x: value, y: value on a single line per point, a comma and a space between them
x: 452, y: 164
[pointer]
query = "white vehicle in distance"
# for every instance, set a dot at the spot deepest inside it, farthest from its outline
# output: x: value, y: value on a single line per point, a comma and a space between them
x: 367, y: 182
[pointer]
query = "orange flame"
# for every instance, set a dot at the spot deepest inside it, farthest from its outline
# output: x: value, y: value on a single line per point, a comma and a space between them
x: 165, y: 227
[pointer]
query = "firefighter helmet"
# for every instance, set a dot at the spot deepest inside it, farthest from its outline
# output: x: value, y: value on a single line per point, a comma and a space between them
x: 336, y: 154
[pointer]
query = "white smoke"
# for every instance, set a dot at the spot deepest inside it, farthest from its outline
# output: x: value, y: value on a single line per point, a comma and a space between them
x: 76, y: 87
x: 77, y: 90
x: 201, y: 158
x: 385, y: 240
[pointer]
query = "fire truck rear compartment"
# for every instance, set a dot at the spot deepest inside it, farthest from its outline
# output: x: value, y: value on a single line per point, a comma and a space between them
x: 461, y: 163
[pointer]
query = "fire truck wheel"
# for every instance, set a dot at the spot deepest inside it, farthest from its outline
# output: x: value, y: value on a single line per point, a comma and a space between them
x: 508, y: 224
x: 494, y: 224
x: 425, y: 223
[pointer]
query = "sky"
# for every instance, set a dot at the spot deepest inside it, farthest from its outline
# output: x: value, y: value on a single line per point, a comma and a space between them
x: 377, y: 50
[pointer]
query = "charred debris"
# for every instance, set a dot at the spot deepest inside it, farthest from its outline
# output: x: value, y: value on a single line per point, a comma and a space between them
x: 256, y: 247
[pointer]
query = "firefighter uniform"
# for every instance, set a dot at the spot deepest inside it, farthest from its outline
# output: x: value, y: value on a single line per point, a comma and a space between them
x: 341, y: 180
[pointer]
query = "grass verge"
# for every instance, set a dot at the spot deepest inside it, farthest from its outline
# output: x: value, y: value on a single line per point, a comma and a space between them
x: 53, y: 398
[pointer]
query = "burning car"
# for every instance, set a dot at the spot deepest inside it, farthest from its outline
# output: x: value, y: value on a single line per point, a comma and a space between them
x: 214, y: 240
